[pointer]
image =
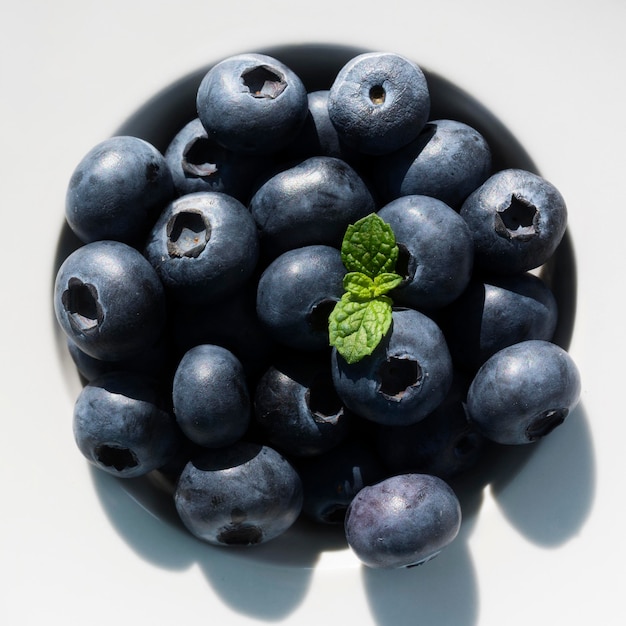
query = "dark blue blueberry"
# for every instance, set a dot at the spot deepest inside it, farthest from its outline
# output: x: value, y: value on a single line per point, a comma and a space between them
x: 448, y: 160
x: 318, y: 136
x: 109, y: 300
x: 311, y: 203
x: 242, y: 495
x: 517, y: 219
x: 523, y: 392
x: 123, y: 425
x: 118, y: 190
x: 331, y: 480
x: 203, y: 246
x: 379, y: 102
x: 199, y: 164
x: 402, y: 521
x: 210, y: 396
x: 436, y: 251
x: 296, y: 294
x: 443, y: 444
x: 496, y: 312
x: 252, y: 104
x: 405, y: 378
x: 297, y: 407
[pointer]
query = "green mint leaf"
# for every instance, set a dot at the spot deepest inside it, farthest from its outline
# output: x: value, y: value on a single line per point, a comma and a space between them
x: 369, y: 246
x: 383, y: 283
x: 359, y: 286
x: 356, y: 326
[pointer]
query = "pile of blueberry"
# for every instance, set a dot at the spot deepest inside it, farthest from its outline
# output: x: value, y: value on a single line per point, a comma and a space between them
x: 319, y: 304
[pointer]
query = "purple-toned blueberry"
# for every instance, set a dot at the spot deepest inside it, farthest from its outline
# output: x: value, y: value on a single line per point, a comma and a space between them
x: 402, y: 521
x: 448, y: 160
x: 242, y: 495
x: 210, y: 396
x: 436, y: 251
x: 311, y: 203
x: 406, y: 377
x: 252, y: 104
x: 296, y: 294
x: 517, y: 219
x: 118, y: 190
x: 297, y: 407
x: 496, y: 312
x: 523, y: 392
x: 379, y: 102
x: 122, y: 424
x: 109, y: 300
x: 203, y: 246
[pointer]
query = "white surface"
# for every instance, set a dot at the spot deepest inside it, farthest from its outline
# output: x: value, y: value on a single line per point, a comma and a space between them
x: 548, y: 548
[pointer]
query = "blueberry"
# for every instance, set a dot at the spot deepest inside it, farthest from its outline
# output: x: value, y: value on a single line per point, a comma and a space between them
x: 118, y: 190
x: 210, y: 396
x: 448, y: 160
x: 198, y: 163
x: 523, y: 392
x: 252, y: 104
x: 402, y: 521
x: 109, y: 300
x: 318, y: 136
x: 311, y: 203
x: 297, y: 407
x: 437, y: 251
x: 296, y: 294
x: 517, y: 219
x: 496, y: 312
x: 241, y: 495
x: 443, y: 444
x: 404, y: 379
x: 379, y: 102
x: 331, y: 480
x: 203, y: 246
x: 123, y: 425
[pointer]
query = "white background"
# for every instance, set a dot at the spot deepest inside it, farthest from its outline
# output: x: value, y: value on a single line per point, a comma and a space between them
x: 544, y: 548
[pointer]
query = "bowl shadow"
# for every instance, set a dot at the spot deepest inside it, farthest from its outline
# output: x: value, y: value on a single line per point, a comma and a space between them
x: 545, y: 490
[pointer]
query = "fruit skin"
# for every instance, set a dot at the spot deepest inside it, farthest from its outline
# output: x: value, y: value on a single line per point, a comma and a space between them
x: 517, y: 219
x: 523, y: 392
x: 297, y: 407
x: 402, y: 521
x: 311, y: 203
x: 241, y: 495
x: 210, y: 396
x: 203, y: 246
x: 118, y: 190
x: 122, y: 424
x: 406, y: 377
x: 252, y: 104
x: 109, y: 300
x: 495, y: 312
x: 448, y: 160
x: 379, y: 102
x: 199, y: 164
x: 439, y: 248
x: 296, y: 293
